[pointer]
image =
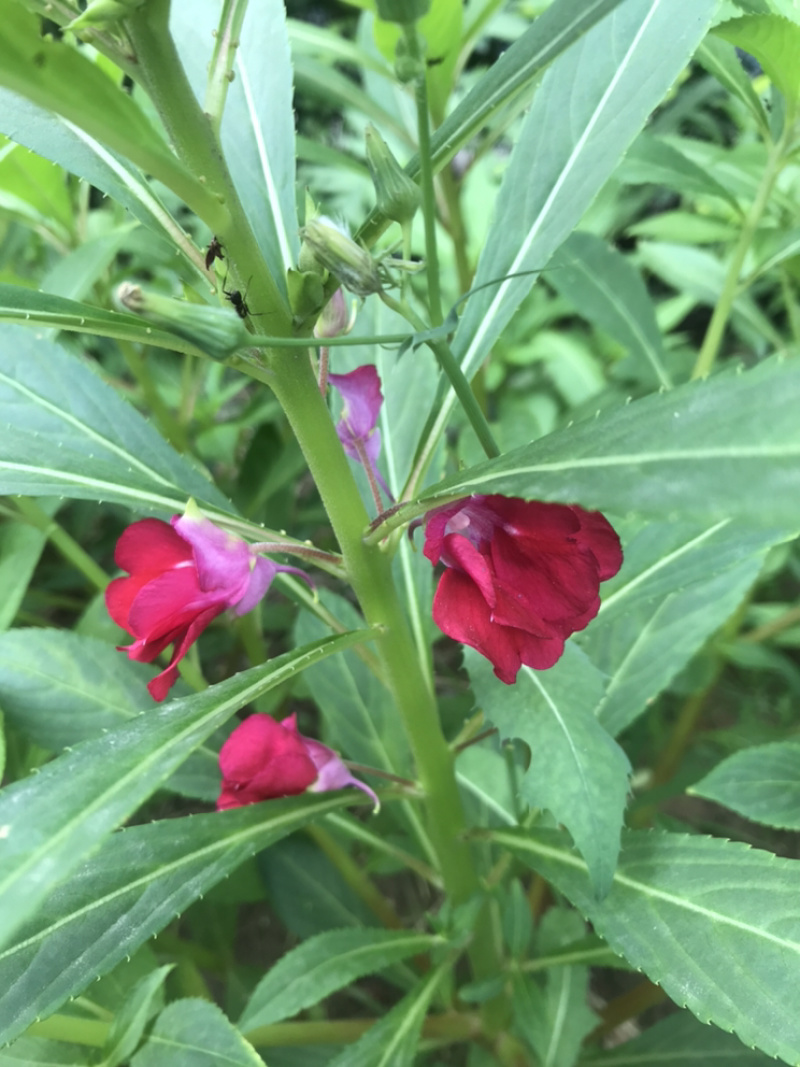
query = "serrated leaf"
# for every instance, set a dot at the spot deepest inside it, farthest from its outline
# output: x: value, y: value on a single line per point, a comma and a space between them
x: 762, y: 783
x: 688, y: 452
x: 42, y: 1052
x: 605, y: 288
x: 554, y: 1017
x: 677, y: 586
x: 136, y: 884
x: 393, y: 1040
x: 713, y: 922
x: 195, y: 1033
x: 74, y: 436
x: 775, y: 42
x: 129, y: 1023
x: 95, y: 689
x: 323, y: 964
x: 720, y: 60
x: 677, y: 1041
x: 53, y: 137
x: 576, y: 770
x: 607, y: 83
x: 46, y: 830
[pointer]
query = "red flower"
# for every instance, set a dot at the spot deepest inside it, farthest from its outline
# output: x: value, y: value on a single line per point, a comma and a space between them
x: 264, y: 759
x: 521, y: 576
x: 182, y: 575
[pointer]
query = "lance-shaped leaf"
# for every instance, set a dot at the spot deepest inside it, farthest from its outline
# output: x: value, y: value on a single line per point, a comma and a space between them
x: 135, y: 885
x: 74, y: 436
x: 591, y: 104
x: 323, y: 964
x: 762, y: 783
x: 195, y: 1033
x: 714, y: 922
x: 706, y: 450
x: 51, y: 820
x: 577, y: 770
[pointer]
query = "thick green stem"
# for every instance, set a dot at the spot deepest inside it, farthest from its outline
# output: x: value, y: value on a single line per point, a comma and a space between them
x: 722, y: 311
x: 193, y: 138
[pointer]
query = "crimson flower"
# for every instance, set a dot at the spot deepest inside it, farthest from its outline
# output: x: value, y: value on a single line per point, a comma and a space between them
x: 520, y: 577
x: 182, y: 575
x: 264, y: 759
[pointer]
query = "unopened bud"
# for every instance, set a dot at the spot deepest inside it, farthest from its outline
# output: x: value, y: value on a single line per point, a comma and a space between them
x: 338, y: 253
x: 334, y: 320
x: 397, y: 195
x: 215, y: 330
x: 402, y: 11
x: 103, y: 13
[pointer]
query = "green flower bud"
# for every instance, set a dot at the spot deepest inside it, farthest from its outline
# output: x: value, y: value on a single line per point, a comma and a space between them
x: 103, y: 13
x: 397, y: 195
x: 402, y: 11
x: 215, y: 330
x: 353, y: 265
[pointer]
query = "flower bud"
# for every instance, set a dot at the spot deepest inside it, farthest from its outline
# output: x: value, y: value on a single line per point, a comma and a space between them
x: 397, y: 195
x: 215, y: 330
x: 335, y: 320
x: 103, y: 13
x: 338, y: 253
x: 402, y: 11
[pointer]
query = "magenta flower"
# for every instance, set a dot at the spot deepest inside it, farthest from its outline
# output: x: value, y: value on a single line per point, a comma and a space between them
x: 357, y: 428
x: 264, y: 759
x: 520, y: 576
x: 182, y: 575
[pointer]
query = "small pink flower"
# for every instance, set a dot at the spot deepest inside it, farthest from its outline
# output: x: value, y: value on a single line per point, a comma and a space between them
x: 182, y: 575
x: 357, y: 428
x: 520, y: 576
x: 264, y: 759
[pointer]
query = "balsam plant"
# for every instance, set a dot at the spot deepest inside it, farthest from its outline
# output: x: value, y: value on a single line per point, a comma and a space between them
x: 291, y: 313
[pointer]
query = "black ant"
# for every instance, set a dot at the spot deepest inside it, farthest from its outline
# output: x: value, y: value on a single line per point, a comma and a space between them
x: 238, y: 300
x: 214, y: 251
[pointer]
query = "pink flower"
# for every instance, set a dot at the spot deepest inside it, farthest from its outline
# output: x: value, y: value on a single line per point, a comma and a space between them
x: 264, y: 759
x: 357, y: 428
x: 182, y: 575
x: 520, y: 577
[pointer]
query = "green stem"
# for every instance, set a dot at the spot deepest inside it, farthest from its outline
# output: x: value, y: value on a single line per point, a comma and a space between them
x: 361, y: 884
x: 220, y: 71
x: 451, y: 191
x: 451, y: 1027
x: 162, y: 416
x: 426, y: 175
x: 450, y: 365
x: 193, y: 138
x: 62, y: 541
x: 722, y: 312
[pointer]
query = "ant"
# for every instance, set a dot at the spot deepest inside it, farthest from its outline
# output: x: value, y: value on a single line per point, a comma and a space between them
x: 238, y: 300
x: 214, y: 251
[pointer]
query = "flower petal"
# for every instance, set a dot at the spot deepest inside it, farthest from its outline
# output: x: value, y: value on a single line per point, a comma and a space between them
x: 267, y: 759
x: 150, y: 546
x: 600, y: 538
x: 460, y: 611
x: 222, y: 560
x: 332, y: 773
x: 361, y: 392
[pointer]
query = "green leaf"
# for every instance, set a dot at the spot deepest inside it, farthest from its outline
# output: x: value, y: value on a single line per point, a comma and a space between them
x: 720, y: 60
x: 34, y: 308
x: 74, y: 436
x: 677, y: 586
x: 46, y: 829
x: 482, y: 772
x: 775, y: 42
x: 52, y: 137
x: 95, y: 690
x: 129, y: 1023
x: 393, y: 1041
x: 605, y: 288
x: 554, y: 1017
x: 135, y: 885
x: 323, y: 964
x: 576, y: 770
x: 713, y: 922
x: 761, y: 783
x: 195, y: 1033
x: 357, y: 708
x: 607, y: 84
x: 688, y: 452
x: 677, y: 1041
x: 57, y: 77
x: 21, y: 546
x: 652, y: 160
x: 41, y: 1052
